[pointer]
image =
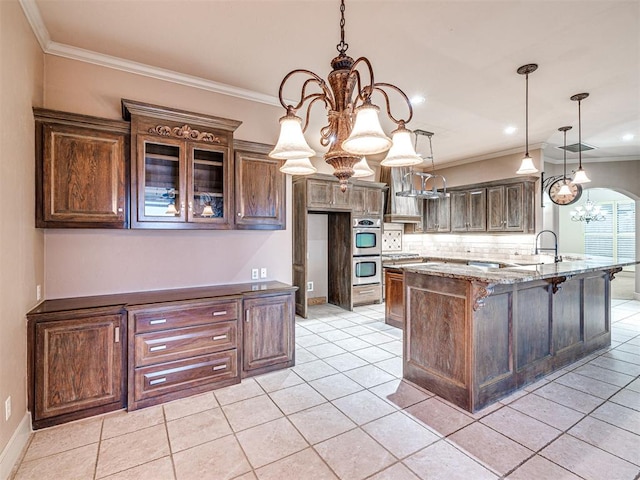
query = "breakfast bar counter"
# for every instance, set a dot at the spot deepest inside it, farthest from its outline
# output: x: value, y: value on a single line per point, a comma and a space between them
x: 475, y: 334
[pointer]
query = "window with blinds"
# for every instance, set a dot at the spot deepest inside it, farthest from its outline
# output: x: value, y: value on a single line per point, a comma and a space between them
x: 614, y: 236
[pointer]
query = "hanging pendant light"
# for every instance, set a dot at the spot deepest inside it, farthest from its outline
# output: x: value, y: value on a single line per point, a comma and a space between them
x: 362, y: 169
x: 564, y: 189
x: 580, y: 176
x: 527, y: 167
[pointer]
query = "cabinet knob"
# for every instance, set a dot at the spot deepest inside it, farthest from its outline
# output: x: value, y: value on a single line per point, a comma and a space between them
x: 239, y: 214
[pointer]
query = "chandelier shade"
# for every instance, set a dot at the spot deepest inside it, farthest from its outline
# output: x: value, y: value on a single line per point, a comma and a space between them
x: 402, y: 153
x: 291, y: 143
x: 362, y: 169
x: 367, y: 137
x: 298, y: 166
x: 353, y: 128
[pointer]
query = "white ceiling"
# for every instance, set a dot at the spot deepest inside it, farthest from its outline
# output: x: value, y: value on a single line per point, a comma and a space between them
x: 461, y: 55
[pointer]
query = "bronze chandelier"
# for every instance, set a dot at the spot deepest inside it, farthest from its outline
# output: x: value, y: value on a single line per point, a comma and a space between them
x: 353, y: 130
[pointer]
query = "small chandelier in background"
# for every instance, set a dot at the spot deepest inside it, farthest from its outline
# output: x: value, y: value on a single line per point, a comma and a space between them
x: 580, y: 176
x: 527, y: 167
x: 353, y: 128
x: 589, y: 212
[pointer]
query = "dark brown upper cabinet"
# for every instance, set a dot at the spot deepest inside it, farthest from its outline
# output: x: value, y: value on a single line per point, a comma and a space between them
x: 181, y: 168
x: 260, y: 188
x: 81, y: 170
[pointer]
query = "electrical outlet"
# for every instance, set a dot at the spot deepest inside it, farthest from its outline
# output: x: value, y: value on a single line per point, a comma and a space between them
x: 309, y: 286
x: 7, y: 408
x: 263, y: 272
x: 254, y: 274
x: 38, y: 293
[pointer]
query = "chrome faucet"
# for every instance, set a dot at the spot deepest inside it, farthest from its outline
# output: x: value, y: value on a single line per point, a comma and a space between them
x: 556, y: 258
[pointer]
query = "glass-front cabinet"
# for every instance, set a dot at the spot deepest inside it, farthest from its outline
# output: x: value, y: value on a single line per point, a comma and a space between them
x: 182, y: 170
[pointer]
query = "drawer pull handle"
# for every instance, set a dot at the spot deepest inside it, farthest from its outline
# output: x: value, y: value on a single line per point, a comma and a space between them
x: 157, y: 347
x: 221, y: 312
x: 220, y: 337
x: 219, y: 367
x: 362, y: 292
x: 157, y: 381
x: 158, y: 322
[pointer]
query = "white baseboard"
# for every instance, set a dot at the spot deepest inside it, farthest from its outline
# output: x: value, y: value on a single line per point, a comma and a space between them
x: 11, y: 454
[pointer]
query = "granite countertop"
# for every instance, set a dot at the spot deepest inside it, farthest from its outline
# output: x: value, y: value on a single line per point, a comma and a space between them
x: 515, y: 273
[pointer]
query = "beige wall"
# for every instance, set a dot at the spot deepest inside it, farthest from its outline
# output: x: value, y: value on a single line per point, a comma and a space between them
x: 88, y: 262
x: 21, y: 245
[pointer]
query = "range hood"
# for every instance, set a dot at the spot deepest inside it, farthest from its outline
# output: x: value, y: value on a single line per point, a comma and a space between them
x: 399, y: 209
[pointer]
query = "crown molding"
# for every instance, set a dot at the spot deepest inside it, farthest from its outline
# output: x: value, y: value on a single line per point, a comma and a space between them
x: 492, y: 155
x: 50, y: 47
x: 32, y: 12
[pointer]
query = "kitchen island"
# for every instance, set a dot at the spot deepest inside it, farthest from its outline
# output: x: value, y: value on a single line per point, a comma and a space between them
x: 473, y: 334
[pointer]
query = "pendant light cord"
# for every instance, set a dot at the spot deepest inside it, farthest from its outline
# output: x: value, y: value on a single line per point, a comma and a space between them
x: 579, y: 138
x: 564, y: 161
x: 526, y: 116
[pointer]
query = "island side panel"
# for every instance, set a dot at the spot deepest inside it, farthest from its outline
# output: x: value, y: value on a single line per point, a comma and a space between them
x: 533, y: 326
x: 568, y: 327
x: 597, y: 299
x: 436, y: 336
x: 493, y: 372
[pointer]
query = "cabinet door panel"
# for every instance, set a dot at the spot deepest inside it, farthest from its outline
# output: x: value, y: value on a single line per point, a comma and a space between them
x: 495, y: 209
x: 477, y: 210
x: 260, y: 192
x: 79, y: 365
x: 268, y: 331
x: 161, y: 189
x: 514, y: 208
x: 459, y: 212
x: 340, y: 199
x: 444, y: 214
x: 319, y: 194
x: 208, y: 188
x: 83, y: 177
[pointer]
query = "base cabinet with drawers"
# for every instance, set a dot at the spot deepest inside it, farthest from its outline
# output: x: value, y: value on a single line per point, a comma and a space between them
x: 91, y: 355
x: 181, y: 348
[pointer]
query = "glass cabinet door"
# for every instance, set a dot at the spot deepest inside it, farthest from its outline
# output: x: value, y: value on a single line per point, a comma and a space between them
x: 161, y: 192
x: 207, y: 195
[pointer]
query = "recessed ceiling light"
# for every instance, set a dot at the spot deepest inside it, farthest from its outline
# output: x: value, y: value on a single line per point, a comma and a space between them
x: 417, y: 100
x: 510, y: 130
x: 628, y: 137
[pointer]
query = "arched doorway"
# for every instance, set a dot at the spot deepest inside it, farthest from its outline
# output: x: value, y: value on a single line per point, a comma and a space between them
x: 611, y: 236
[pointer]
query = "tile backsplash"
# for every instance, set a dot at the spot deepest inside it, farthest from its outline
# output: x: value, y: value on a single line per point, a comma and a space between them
x: 484, y: 246
x: 392, y: 235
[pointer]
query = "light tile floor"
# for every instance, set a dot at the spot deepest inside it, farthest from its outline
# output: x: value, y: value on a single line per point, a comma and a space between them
x: 343, y: 412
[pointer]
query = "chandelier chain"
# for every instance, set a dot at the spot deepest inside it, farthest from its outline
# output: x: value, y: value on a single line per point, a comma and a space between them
x: 342, y: 46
